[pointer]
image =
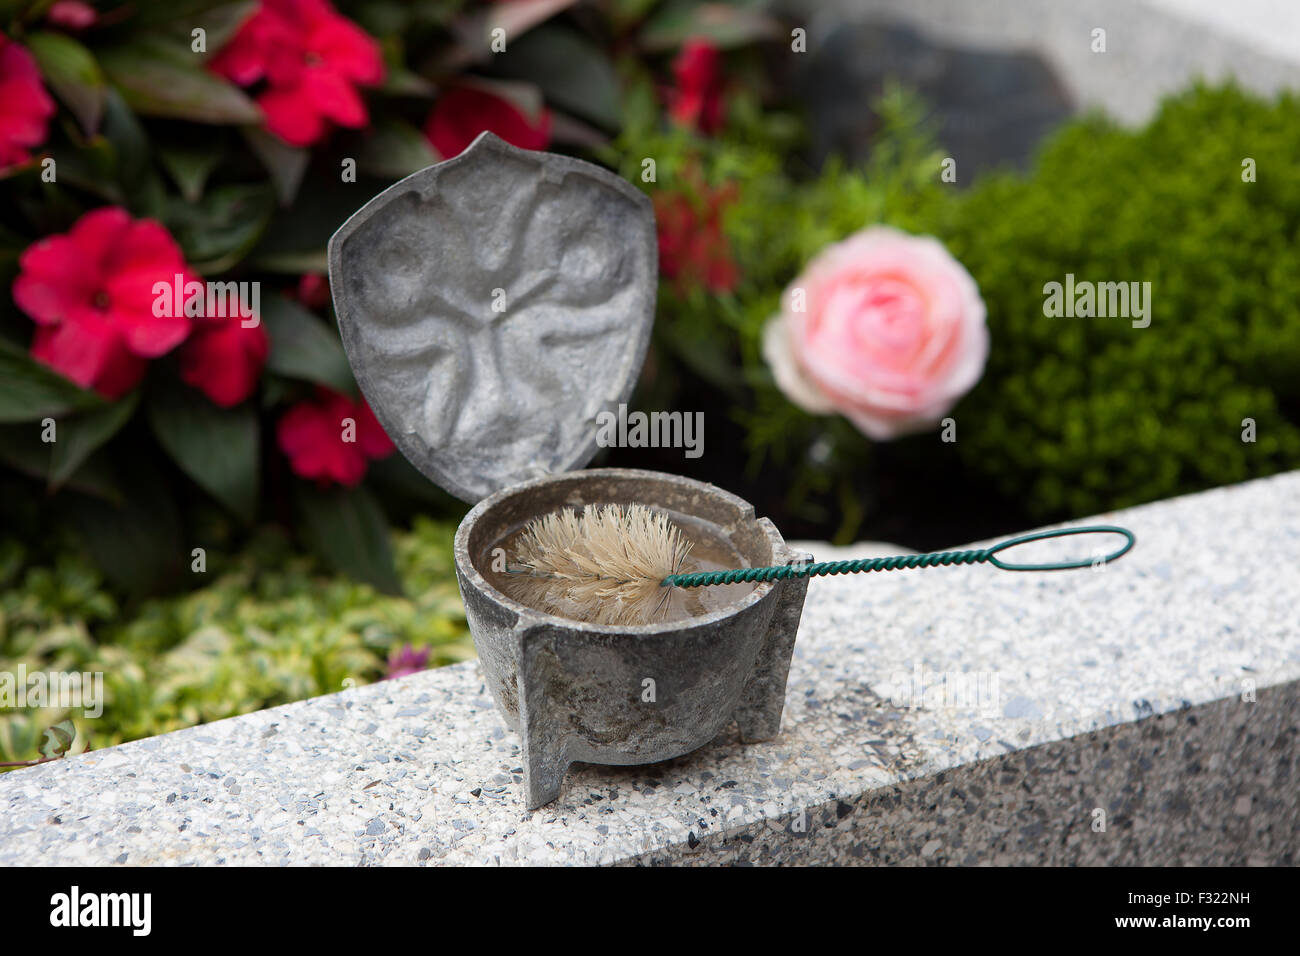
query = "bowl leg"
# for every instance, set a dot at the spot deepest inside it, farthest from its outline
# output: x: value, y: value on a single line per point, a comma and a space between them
x: 543, y: 776
x: 546, y: 746
x: 758, y: 716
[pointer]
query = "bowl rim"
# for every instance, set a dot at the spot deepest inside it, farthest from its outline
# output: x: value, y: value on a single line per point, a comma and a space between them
x: 530, y: 616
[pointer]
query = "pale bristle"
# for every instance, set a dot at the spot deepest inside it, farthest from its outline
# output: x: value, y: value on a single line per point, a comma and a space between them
x: 602, y: 565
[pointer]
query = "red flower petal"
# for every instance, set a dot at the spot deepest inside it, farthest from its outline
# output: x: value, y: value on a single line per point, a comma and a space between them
x: 311, y: 435
x: 99, y: 233
x: 314, y: 290
x: 22, y: 126
x: 72, y: 14
x: 334, y: 97
x: 349, y: 50
x: 51, y: 287
x: 693, y: 248
x: 372, y: 438
x: 91, y: 354
x: 241, y: 61
x: 25, y: 106
x: 697, y: 100
x: 291, y: 116
x: 223, y: 359
x: 90, y: 291
x: 462, y: 113
x: 311, y: 58
x: 149, y: 256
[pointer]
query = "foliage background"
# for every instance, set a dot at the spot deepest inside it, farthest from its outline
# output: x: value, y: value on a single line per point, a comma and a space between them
x: 1073, y: 416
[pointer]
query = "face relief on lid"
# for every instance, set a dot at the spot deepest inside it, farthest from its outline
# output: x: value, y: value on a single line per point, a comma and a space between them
x: 492, y: 306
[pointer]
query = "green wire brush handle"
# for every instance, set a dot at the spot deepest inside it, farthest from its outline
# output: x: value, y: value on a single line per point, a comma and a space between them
x: 904, y: 561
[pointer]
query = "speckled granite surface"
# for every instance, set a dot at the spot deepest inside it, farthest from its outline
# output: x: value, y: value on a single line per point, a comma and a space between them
x: 1048, y: 704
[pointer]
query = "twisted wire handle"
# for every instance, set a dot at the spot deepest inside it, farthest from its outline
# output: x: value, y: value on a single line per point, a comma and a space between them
x: 905, y: 561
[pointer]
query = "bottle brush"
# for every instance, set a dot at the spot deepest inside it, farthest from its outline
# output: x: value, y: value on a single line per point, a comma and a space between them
x: 617, y: 564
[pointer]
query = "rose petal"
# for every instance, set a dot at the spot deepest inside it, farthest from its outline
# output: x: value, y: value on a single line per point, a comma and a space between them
x: 892, y: 334
x: 789, y: 375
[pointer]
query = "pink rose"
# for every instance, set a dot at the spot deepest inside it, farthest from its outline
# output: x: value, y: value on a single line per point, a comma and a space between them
x: 884, y: 328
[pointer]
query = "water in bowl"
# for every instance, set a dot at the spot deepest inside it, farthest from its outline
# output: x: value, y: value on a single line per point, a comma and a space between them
x: 710, y: 551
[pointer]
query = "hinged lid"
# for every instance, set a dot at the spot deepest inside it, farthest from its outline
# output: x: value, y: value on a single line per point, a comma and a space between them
x: 492, y: 306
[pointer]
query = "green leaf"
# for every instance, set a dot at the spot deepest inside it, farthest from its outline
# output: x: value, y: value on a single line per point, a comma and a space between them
x: 29, y: 391
x: 181, y: 16
x: 297, y: 238
x: 571, y: 71
x: 286, y: 164
x: 91, y: 166
x: 136, y: 544
x: 217, y: 447
x: 304, y: 347
x: 726, y: 25
x: 190, y: 168
x: 626, y: 13
x: 473, y: 30
x: 391, y: 20
x: 705, y: 355
x: 57, y: 740
x: 399, y: 81
x: 219, y: 230
x: 78, y: 437
x: 292, y: 263
x: 96, y: 478
x: 395, y: 149
x: 394, y: 476
x: 276, y: 389
x: 347, y: 528
x: 133, y: 157
x: 516, y: 18
x: 71, y: 71
x: 22, y: 450
x: 221, y: 21
x: 159, y: 77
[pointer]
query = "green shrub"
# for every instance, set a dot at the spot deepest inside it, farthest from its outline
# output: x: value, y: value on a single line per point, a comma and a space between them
x: 1073, y: 416
x: 776, y: 218
x: 1082, y: 415
x: 270, y: 628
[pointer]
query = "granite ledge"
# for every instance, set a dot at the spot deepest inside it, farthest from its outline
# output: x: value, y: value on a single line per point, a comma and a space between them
x: 1161, y: 690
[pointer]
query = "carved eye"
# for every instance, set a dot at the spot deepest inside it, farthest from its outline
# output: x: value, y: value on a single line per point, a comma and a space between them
x: 592, y: 260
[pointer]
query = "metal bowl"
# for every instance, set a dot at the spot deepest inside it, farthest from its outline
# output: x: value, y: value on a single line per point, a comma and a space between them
x: 578, y: 692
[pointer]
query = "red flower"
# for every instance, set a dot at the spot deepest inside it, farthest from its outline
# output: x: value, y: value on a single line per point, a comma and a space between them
x: 223, y: 359
x: 693, y: 249
x: 406, y: 660
x: 312, y: 60
x: 314, y: 290
x: 697, y: 100
x: 72, y: 15
x: 25, y: 107
x: 90, y: 292
x: 463, y: 112
x: 315, y: 434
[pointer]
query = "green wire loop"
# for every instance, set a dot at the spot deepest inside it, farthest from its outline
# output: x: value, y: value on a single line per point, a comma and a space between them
x: 1061, y: 533
x: 905, y: 561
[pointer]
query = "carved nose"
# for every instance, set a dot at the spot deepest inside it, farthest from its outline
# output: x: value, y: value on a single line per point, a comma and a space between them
x: 493, y: 400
